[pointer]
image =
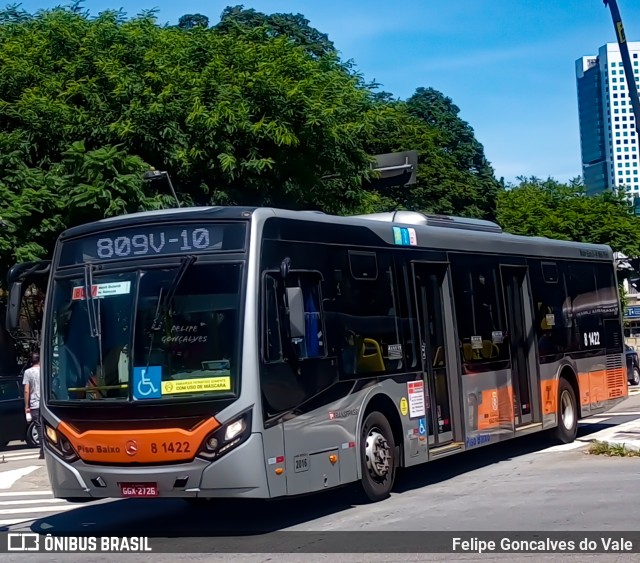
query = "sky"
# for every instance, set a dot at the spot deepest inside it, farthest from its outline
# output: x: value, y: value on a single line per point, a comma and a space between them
x: 508, y: 65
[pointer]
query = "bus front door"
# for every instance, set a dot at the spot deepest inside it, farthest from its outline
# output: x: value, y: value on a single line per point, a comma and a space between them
x: 429, y: 283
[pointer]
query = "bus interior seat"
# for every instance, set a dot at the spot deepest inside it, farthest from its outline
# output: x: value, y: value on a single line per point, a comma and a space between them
x: 488, y: 351
x: 369, y: 356
x: 544, y: 325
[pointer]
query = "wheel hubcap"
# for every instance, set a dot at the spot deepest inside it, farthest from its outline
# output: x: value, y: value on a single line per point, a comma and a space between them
x: 568, y: 415
x: 378, y: 454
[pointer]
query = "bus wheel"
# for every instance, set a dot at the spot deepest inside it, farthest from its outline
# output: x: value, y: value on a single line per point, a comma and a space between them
x: 567, y: 428
x: 377, y: 455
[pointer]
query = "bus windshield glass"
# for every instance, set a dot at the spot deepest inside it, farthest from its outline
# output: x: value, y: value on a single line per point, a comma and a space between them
x: 148, y: 334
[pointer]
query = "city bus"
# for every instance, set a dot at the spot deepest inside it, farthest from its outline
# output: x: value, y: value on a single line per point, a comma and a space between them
x: 242, y: 352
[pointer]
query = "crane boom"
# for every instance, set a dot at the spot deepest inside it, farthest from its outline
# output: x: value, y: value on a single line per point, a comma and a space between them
x: 626, y: 60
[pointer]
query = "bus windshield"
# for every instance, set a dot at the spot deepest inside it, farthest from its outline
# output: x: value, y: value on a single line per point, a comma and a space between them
x: 147, y: 334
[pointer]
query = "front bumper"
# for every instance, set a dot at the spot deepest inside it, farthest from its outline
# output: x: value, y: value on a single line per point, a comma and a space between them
x: 239, y: 474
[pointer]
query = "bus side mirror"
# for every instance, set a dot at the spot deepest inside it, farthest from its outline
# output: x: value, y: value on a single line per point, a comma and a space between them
x: 296, y: 312
x: 13, y: 306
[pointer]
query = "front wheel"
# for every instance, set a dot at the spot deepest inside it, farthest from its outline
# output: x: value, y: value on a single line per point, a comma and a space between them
x: 636, y: 376
x: 567, y: 428
x: 377, y: 457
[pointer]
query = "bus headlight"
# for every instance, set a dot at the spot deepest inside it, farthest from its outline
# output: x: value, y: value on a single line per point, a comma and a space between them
x: 59, y: 444
x: 234, y: 429
x: 227, y: 437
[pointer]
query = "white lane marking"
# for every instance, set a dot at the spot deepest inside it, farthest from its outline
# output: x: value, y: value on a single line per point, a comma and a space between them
x: 19, y: 453
x: 31, y: 501
x: 8, y: 478
x: 36, y: 509
x: 14, y: 521
x: 21, y: 458
x: 25, y: 493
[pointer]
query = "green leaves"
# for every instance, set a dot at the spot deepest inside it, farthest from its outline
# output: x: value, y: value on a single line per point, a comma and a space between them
x: 564, y: 211
x: 256, y: 110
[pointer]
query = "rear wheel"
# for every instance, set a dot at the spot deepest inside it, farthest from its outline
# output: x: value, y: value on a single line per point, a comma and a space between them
x: 377, y: 457
x: 567, y: 428
x: 636, y: 376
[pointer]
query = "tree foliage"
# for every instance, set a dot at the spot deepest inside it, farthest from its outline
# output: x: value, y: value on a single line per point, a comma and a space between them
x: 563, y: 211
x: 255, y: 110
x: 236, y: 21
x: 190, y: 21
x: 454, y: 177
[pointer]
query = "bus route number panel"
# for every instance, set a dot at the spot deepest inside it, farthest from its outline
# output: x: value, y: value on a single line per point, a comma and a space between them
x: 154, y: 241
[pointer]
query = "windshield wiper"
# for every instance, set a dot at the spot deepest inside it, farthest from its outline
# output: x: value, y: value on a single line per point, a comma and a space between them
x: 94, y: 327
x: 163, y: 304
x: 93, y: 312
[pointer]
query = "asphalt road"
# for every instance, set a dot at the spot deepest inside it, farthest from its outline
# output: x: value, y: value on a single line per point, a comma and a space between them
x: 519, y: 486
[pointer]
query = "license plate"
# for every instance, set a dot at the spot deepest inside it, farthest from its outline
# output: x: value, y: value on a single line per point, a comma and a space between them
x: 139, y: 489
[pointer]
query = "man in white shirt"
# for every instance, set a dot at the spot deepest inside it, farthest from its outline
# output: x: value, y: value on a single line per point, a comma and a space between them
x: 31, y: 382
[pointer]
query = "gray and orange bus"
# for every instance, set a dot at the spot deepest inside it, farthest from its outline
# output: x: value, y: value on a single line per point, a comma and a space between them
x: 256, y: 352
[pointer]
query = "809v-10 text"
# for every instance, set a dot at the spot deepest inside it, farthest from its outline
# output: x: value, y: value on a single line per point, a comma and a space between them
x: 144, y: 244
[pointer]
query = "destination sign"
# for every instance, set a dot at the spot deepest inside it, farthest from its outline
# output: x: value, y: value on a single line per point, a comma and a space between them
x: 155, y: 240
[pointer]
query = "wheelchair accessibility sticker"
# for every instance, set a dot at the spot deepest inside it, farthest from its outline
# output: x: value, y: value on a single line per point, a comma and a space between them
x: 147, y: 383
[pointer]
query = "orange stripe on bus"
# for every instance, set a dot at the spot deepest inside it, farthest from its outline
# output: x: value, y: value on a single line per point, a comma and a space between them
x: 549, y: 396
x: 496, y: 408
x: 158, y: 445
x: 601, y: 385
x: 598, y: 386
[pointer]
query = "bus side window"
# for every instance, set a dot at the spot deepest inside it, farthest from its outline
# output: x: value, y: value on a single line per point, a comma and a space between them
x: 307, y: 332
x: 305, y: 326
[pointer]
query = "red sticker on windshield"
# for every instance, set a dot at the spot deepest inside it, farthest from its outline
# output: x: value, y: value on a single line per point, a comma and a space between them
x: 102, y: 290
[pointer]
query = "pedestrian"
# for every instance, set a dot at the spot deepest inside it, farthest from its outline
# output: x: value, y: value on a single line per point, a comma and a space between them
x: 31, y: 382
